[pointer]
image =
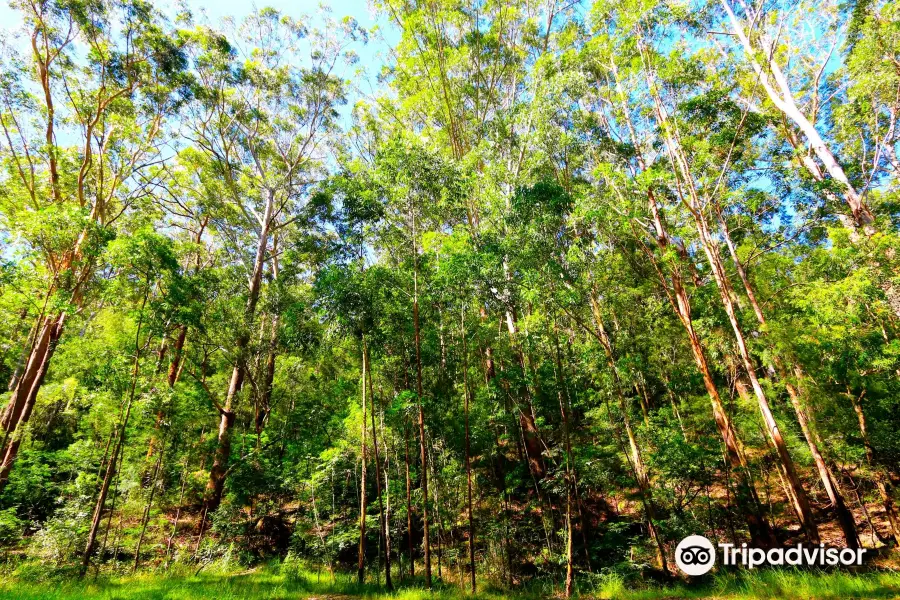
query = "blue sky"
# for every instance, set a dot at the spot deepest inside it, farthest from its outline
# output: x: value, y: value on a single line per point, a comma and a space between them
x: 371, y: 56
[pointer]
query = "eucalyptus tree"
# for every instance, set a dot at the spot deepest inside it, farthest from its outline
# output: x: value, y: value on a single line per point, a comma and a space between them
x: 755, y: 33
x: 423, y: 193
x: 801, y: 66
x: 639, y: 175
x: 464, y: 77
x: 267, y: 100
x: 86, y: 110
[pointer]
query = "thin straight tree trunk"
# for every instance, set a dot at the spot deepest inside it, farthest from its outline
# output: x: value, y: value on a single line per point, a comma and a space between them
x: 575, y: 490
x: 170, y: 379
x: 531, y: 436
x: 361, y: 563
x: 435, y: 488
x: 468, y: 456
x: 803, y: 508
x: 111, y: 467
x: 489, y: 370
x: 882, y: 481
x: 845, y: 518
x: 177, y: 514
x: 381, y: 516
x: 746, y: 499
x: 146, y: 516
x: 409, y: 528
x: 264, y: 406
x: 112, y: 510
x: 387, y: 497
x: 426, y: 543
x: 636, y: 461
x: 562, y: 394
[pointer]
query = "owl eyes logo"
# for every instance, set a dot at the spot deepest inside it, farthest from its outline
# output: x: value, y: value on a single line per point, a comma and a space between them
x: 695, y: 555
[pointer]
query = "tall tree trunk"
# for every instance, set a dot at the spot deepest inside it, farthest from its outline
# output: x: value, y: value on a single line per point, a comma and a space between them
x: 636, y: 461
x: 489, y: 371
x: 24, y: 394
x: 746, y: 498
x: 745, y: 495
x: 685, y: 182
x: 524, y: 406
x: 145, y: 518
x: 468, y: 451
x: 387, y: 498
x: 381, y: 515
x: 409, y: 527
x: 184, y: 480
x: 26, y: 347
x: 422, y: 443
x: 177, y: 354
x: 692, y: 201
x: 563, y: 397
x: 21, y: 403
x: 772, y: 428
x: 783, y: 99
x: 361, y: 563
x: 175, y: 363
x: 435, y: 488
x: 171, y: 376
x: 845, y: 518
x: 219, y: 469
x: 264, y: 405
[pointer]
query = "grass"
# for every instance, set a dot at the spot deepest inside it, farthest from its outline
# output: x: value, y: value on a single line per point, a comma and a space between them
x: 284, y: 584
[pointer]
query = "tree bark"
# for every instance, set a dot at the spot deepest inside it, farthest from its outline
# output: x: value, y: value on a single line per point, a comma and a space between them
x: 844, y: 516
x: 783, y: 99
x: 361, y: 562
x: 468, y: 451
x: 684, y: 181
x: 422, y: 443
x: 725, y: 292
x: 746, y: 498
x: 21, y: 403
x: 381, y: 515
x: 219, y: 469
x: 747, y: 501
x: 409, y: 527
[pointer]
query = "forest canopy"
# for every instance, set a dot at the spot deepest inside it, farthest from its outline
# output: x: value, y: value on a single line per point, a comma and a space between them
x: 567, y: 283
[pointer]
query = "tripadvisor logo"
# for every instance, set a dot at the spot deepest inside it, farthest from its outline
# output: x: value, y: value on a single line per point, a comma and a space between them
x: 695, y: 555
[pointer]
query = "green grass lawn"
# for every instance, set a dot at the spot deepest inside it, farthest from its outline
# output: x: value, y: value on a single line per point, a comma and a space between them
x: 273, y: 584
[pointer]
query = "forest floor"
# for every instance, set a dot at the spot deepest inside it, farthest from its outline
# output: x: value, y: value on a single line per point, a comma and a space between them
x: 268, y: 584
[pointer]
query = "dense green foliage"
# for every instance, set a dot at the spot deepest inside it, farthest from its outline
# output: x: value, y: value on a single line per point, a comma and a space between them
x: 575, y: 281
